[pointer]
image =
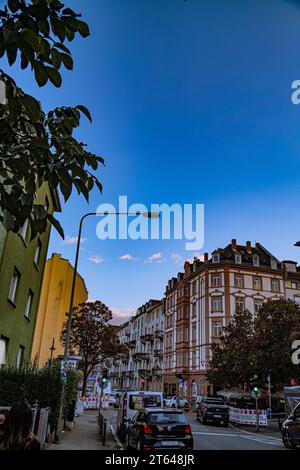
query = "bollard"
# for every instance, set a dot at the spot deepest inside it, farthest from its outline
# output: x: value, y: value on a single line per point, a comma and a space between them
x: 104, y: 431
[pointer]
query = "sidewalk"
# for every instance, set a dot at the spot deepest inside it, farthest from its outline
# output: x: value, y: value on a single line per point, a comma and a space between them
x: 85, y: 434
x: 265, y: 430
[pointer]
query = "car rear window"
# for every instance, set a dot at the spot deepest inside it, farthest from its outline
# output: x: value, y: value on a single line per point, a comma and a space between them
x: 166, y: 418
x: 216, y: 401
x: 136, y: 402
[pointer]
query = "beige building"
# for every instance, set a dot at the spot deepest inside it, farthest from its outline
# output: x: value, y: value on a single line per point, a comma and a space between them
x: 54, y: 303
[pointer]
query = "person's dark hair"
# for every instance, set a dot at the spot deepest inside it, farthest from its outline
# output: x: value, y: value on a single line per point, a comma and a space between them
x: 16, y: 432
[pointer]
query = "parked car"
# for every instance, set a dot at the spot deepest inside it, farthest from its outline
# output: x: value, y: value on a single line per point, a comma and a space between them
x: 291, y: 429
x: 133, y: 401
x: 112, y: 399
x: 159, y: 428
x: 214, y: 410
x: 176, y: 402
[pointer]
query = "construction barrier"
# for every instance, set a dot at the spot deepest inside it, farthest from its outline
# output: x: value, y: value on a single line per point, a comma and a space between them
x: 91, y: 403
x: 245, y: 416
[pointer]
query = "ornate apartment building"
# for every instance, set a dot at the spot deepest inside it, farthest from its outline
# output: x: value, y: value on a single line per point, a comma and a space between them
x: 143, y: 334
x: 200, y: 301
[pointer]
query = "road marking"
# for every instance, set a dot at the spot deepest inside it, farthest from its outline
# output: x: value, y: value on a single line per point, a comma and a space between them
x: 215, y: 434
x: 272, y: 441
x: 252, y: 433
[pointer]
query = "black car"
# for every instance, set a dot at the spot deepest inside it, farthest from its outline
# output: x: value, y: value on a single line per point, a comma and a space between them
x: 158, y: 429
x: 212, y: 409
x: 291, y: 429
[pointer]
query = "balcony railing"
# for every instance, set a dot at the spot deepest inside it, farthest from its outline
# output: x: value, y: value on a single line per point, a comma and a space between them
x: 159, y: 334
x: 158, y: 352
x: 140, y: 356
x: 147, y: 337
x: 131, y: 343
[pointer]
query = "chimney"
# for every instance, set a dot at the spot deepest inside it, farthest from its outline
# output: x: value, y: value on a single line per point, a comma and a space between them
x: 248, y: 246
x: 233, y: 244
x: 205, y: 256
x: 257, y: 245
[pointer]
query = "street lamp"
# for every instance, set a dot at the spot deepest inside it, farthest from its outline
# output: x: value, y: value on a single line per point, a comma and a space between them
x: 149, y: 215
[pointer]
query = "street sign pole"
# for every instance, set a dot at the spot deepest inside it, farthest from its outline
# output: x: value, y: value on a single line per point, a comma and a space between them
x: 257, y: 413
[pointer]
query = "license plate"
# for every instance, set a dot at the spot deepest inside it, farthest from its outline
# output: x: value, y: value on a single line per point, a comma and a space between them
x: 217, y: 416
x: 169, y: 443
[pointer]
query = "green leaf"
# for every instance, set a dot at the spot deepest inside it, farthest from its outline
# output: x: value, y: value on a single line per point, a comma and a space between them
x: 11, y: 52
x: 67, y: 60
x: 13, y: 5
x: 40, y: 143
x: 85, y: 111
x: 83, y: 28
x: 44, y: 27
x: 56, y: 58
x: 58, y: 28
x: 24, y: 61
x: 29, y: 22
x: 40, y: 73
x: 62, y: 47
x: 31, y: 38
x: 33, y: 107
x: 40, y: 12
x: 54, y: 76
x: 56, y: 224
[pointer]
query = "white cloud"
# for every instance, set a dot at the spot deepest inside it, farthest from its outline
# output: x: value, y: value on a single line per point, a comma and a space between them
x: 72, y: 240
x: 96, y: 259
x: 122, y: 314
x: 177, y: 258
x: 155, y: 257
x: 127, y: 257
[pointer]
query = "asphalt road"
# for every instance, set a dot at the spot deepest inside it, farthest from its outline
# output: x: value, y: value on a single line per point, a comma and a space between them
x: 215, y: 437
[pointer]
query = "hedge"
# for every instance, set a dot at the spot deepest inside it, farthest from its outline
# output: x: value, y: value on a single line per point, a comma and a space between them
x: 43, y: 386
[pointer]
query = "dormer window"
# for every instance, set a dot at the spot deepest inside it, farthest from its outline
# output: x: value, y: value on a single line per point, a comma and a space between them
x: 216, y: 258
x: 238, y: 258
x: 273, y: 264
x: 255, y: 260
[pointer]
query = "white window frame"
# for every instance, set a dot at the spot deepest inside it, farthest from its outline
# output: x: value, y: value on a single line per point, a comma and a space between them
x: 278, y: 284
x: 240, y: 299
x: 3, y: 351
x: 257, y: 301
x: 273, y: 264
x: 238, y: 258
x: 28, y: 304
x: 14, y: 283
x: 260, y: 283
x: 24, y: 230
x: 218, y: 299
x: 239, y: 284
x: 217, y: 279
x: 217, y: 325
x: 20, y: 356
x: 37, y: 252
x: 216, y: 257
x: 255, y: 260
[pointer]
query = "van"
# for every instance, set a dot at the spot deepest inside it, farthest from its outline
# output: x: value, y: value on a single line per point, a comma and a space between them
x: 131, y: 402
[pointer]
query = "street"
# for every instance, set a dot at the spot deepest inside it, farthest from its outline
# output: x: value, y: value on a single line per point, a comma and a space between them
x: 212, y: 437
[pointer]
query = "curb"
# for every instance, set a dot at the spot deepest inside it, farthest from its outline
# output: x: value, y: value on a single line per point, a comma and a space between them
x: 252, y: 432
x: 116, y: 437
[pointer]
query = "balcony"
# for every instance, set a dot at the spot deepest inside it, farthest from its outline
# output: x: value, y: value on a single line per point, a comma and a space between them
x: 159, y: 334
x: 131, y: 343
x: 114, y: 374
x: 144, y: 373
x: 140, y: 356
x: 157, y: 372
x: 125, y: 359
x: 158, y: 352
x: 147, y: 337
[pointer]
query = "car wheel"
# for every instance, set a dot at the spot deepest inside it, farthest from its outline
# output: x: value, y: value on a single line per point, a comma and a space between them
x: 288, y: 442
x: 225, y: 424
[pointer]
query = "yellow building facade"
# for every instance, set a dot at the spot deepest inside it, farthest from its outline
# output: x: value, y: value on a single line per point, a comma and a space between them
x: 54, y: 303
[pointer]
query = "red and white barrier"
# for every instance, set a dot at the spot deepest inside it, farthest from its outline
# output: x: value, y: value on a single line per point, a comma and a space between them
x: 241, y: 416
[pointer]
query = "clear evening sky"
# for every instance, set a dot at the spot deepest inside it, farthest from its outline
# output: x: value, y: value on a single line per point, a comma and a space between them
x: 191, y: 103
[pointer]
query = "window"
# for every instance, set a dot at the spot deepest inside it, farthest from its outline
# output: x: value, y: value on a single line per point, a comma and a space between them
x: 255, y: 260
x: 217, y: 304
x: 37, y: 252
x: 24, y: 230
x: 202, y: 287
x: 194, y: 287
x: 3, y: 350
x: 20, y: 356
x: 257, y: 283
x: 240, y: 303
x: 14, y: 285
x: 217, y: 329
x: 186, y: 359
x: 194, y: 331
x: 238, y: 258
x: 257, y: 305
x: 238, y: 281
x: 275, y: 286
x: 216, y: 258
x: 273, y: 264
x: 194, y: 309
x: 216, y: 280
x: 28, y: 304
x: 186, y: 334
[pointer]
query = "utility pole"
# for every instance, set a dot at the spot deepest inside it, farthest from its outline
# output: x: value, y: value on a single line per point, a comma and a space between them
x: 52, y: 349
x: 270, y: 394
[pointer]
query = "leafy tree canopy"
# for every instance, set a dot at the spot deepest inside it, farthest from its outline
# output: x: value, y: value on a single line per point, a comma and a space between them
x: 38, y: 146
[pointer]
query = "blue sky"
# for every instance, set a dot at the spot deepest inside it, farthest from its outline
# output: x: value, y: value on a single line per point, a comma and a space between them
x: 191, y: 104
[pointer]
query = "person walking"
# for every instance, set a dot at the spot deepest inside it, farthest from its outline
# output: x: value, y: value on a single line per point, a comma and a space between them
x: 15, y: 431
